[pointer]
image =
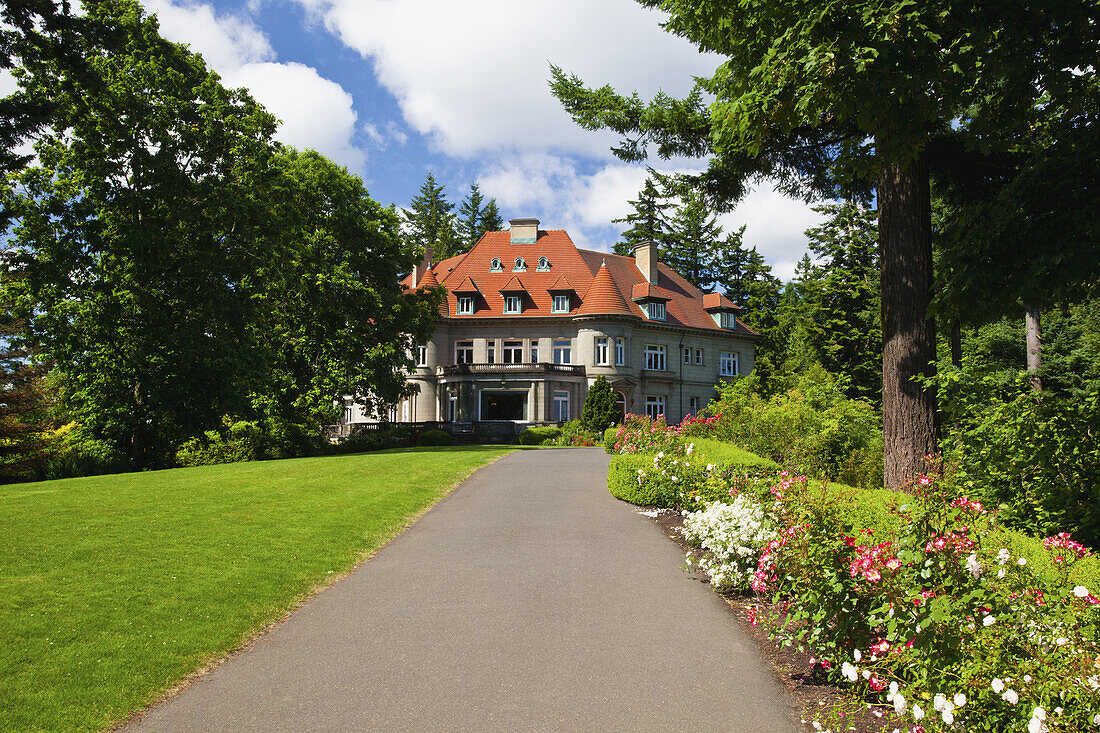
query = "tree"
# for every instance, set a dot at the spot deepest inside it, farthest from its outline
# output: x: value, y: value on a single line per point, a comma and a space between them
x: 647, y: 221
x: 429, y: 221
x: 692, y: 246
x: 842, y: 99
x: 600, y: 411
x: 844, y: 309
x: 475, y: 219
x: 23, y: 405
x: 490, y: 217
x: 332, y: 320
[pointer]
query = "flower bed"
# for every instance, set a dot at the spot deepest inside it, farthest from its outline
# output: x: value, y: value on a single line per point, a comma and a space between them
x: 919, y: 602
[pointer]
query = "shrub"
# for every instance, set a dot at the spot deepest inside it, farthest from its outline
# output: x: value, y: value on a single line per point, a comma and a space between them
x: 730, y: 536
x: 637, y: 480
x: 354, y: 444
x: 538, y: 436
x: 74, y: 452
x: 600, y: 411
x: 813, y: 428
x: 434, y: 437
x: 609, y: 437
x: 643, y: 434
x: 239, y: 441
x: 576, y: 434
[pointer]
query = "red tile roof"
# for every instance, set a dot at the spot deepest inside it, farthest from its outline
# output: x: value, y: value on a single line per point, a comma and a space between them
x: 513, y: 286
x: 570, y: 269
x: 428, y: 281
x: 717, y: 301
x: 603, y: 296
x: 648, y: 291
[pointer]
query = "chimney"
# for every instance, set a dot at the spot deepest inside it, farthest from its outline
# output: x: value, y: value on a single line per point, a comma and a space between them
x: 422, y: 267
x: 645, y: 259
x: 524, y: 231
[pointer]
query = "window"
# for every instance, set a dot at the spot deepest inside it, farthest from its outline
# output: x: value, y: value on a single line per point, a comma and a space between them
x: 452, y: 408
x: 464, y: 352
x: 562, y: 352
x: 513, y: 304
x: 656, y: 311
x: 654, y: 406
x: 728, y: 320
x: 544, y: 265
x: 694, y: 405
x: 465, y: 305
x: 422, y: 356
x: 348, y: 414
x: 601, y: 352
x: 560, y: 304
x: 727, y: 364
x: 491, y: 351
x: 534, y: 352
x: 513, y: 352
x: 687, y: 355
x: 495, y: 265
x: 620, y: 404
x: 655, y: 358
x: 405, y: 410
x: 620, y: 352
x: 521, y: 266
x: 698, y: 357
x: 561, y: 406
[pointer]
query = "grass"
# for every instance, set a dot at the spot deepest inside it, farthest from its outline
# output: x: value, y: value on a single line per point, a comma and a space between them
x: 114, y: 588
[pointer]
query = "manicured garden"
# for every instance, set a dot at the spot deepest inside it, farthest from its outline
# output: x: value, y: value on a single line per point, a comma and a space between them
x: 919, y: 603
x: 114, y: 588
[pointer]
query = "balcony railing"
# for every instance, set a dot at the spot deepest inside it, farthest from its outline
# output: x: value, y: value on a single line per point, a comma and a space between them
x: 540, y: 368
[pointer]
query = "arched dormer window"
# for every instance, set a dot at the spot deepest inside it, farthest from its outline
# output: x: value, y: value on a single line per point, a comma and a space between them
x: 544, y: 265
x: 495, y: 265
x: 521, y: 266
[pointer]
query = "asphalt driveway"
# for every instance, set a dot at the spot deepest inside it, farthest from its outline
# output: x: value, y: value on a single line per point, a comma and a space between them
x: 529, y: 599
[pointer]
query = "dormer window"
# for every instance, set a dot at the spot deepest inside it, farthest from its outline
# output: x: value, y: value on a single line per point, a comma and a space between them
x: 727, y: 320
x: 521, y: 266
x: 657, y: 311
x: 465, y: 305
x: 560, y: 303
x: 495, y: 265
x: 513, y: 304
x: 544, y: 265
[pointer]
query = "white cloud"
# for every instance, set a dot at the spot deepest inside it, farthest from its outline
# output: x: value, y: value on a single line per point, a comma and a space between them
x: 775, y: 225
x: 473, y: 75
x: 8, y: 84
x: 315, y: 112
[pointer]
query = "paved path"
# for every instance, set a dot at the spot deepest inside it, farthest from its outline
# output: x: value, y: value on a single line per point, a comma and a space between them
x: 529, y: 599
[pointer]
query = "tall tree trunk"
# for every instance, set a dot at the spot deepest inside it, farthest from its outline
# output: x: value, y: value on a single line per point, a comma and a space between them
x: 908, y: 334
x: 1034, y: 347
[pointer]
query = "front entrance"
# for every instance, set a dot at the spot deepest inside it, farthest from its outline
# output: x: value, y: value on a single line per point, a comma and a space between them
x: 504, y: 406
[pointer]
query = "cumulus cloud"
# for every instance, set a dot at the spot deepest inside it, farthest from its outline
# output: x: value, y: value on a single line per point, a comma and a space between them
x: 775, y: 225
x: 315, y: 112
x: 473, y: 75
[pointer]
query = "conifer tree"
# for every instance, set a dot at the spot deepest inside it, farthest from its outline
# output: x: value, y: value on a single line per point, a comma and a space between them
x: 490, y: 217
x: 692, y: 246
x: 647, y: 222
x: 430, y: 221
x: 600, y: 411
x: 470, y: 218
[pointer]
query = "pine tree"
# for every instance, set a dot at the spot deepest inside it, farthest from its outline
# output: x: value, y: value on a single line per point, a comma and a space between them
x: 692, y: 246
x: 430, y: 222
x: 23, y: 406
x: 490, y: 217
x: 647, y: 222
x: 470, y: 218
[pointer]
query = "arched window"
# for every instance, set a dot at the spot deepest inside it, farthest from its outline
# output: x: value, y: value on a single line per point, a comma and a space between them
x: 620, y: 404
x: 521, y: 266
x: 544, y: 265
x: 495, y: 265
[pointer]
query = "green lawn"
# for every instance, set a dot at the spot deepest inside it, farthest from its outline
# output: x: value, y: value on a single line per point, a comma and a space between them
x: 114, y: 588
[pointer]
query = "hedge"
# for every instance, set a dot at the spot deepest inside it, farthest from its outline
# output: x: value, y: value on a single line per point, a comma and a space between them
x: 538, y: 436
x: 609, y: 436
x: 434, y: 437
x: 622, y: 481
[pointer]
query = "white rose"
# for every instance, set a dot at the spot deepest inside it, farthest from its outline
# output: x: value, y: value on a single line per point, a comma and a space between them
x: 997, y: 685
x: 918, y: 714
x: 856, y: 655
x: 1080, y: 591
x: 988, y: 621
x: 960, y: 699
x: 1011, y: 697
x: 899, y: 704
x: 939, y: 702
x: 1039, y: 713
x: 948, y: 717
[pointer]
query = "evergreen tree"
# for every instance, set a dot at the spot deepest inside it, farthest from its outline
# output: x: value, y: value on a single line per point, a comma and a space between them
x: 430, y: 222
x: 647, y: 221
x: 23, y: 405
x: 692, y: 246
x: 490, y: 217
x: 600, y: 411
x: 471, y: 217
x: 845, y: 308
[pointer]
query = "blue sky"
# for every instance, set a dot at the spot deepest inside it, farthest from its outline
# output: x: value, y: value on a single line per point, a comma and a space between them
x: 395, y: 88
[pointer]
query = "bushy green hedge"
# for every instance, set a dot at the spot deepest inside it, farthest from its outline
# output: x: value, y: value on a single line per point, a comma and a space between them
x: 538, y: 436
x: 434, y: 437
x: 625, y: 483
x: 709, y: 450
x: 609, y: 438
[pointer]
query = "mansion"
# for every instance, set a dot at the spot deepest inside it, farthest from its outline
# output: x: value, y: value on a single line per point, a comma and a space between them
x: 530, y: 321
